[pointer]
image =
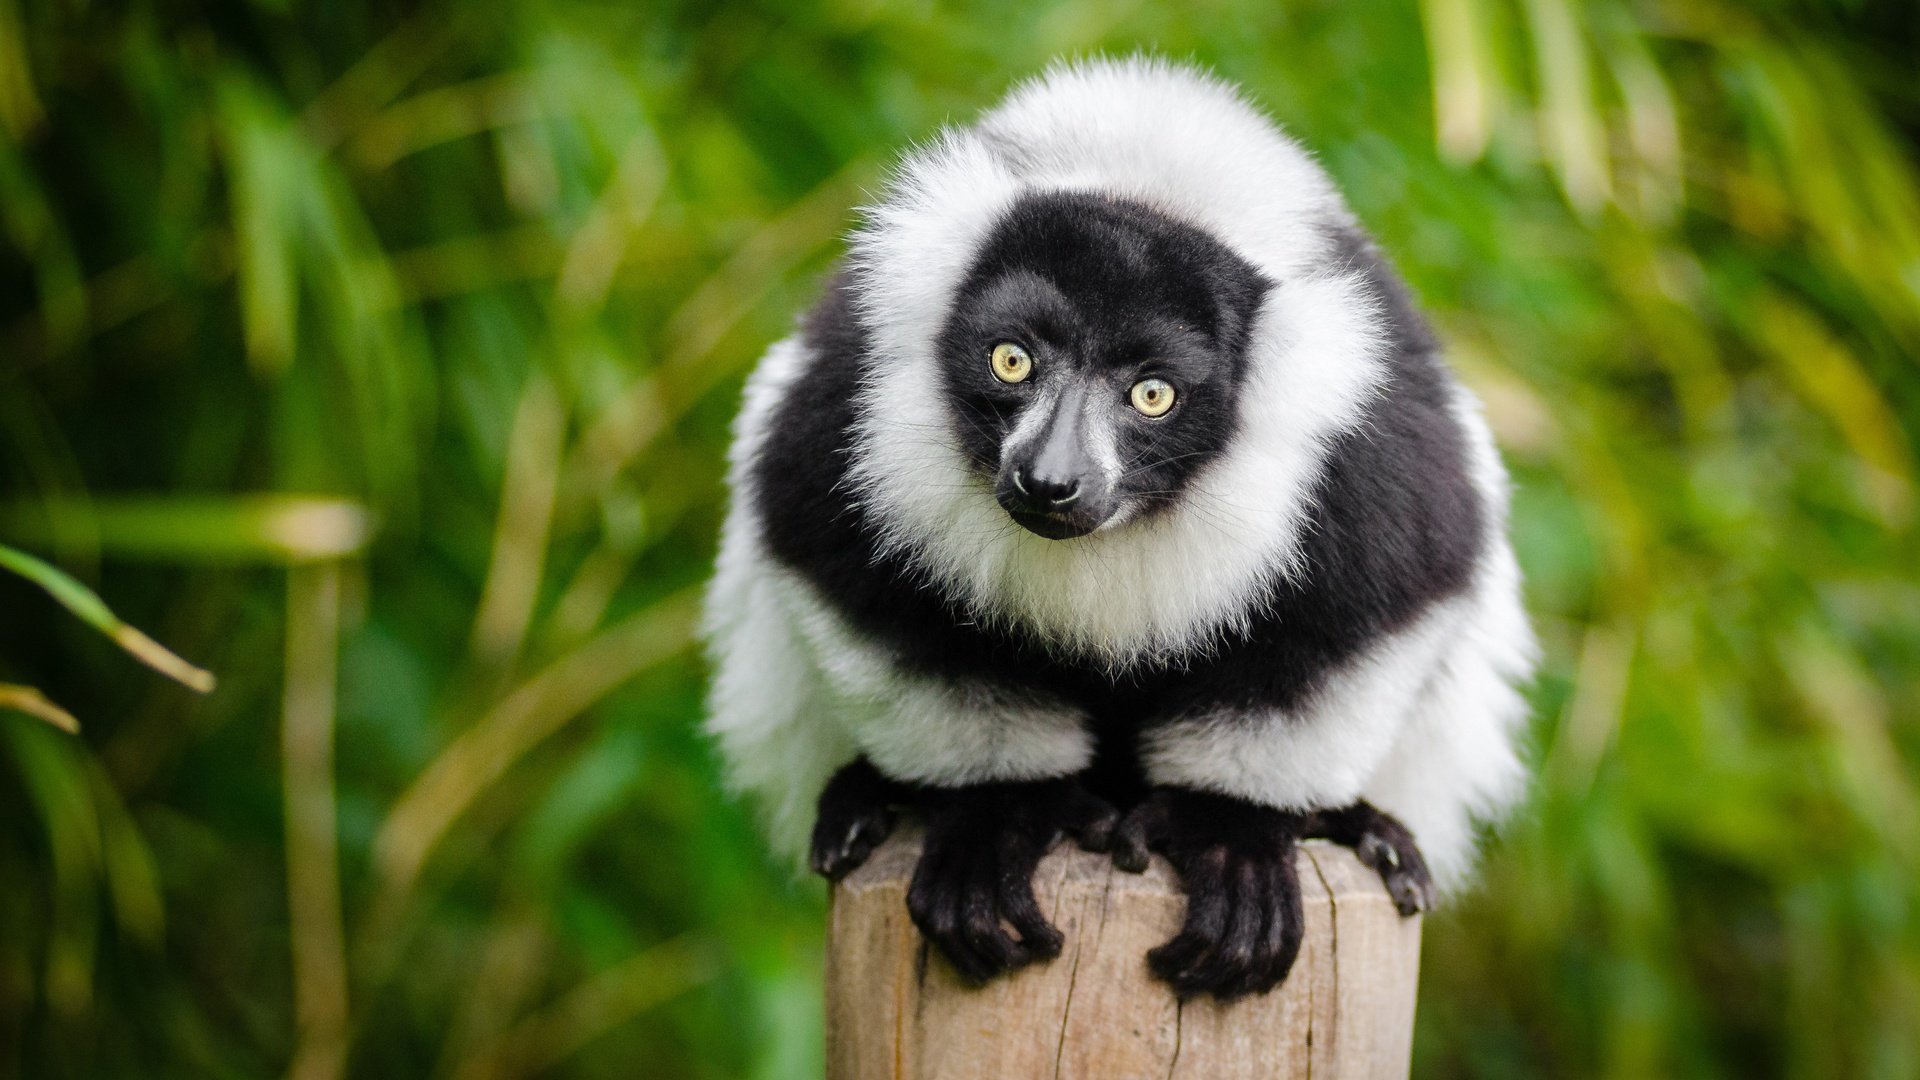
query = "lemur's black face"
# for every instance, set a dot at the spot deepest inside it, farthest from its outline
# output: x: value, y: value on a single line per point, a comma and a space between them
x: 1094, y: 358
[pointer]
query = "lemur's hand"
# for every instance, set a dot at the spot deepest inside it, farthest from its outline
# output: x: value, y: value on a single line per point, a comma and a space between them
x: 1385, y: 845
x: 1236, y: 862
x: 975, y: 877
x: 857, y: 812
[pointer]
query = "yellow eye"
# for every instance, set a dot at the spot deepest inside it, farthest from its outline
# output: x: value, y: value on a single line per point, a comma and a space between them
x: 1011, y: 363
x: 1151, y: 397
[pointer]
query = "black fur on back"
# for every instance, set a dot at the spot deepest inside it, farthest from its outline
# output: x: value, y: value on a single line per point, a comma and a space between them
x: 1396, y: 526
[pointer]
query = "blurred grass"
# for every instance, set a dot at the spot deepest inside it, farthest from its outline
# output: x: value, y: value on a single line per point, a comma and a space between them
x: 438, y: 314
x: 87, y: 606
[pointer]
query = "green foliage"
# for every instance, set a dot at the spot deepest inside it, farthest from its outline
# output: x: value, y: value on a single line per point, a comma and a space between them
x: 85, y: 604
x: 440, y: 316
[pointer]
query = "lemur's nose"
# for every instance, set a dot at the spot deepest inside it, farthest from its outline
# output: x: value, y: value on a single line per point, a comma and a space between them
x: 1054, y: 492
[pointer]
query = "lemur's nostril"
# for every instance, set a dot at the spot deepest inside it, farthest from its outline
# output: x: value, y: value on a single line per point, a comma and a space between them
x: 1056, y: 493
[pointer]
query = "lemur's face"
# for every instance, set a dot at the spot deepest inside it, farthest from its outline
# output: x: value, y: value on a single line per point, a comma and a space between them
x: 1094, y: 358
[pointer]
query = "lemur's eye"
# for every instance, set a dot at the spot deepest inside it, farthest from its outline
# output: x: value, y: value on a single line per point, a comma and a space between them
x: 1011, y: 363
x: 1151, y: 397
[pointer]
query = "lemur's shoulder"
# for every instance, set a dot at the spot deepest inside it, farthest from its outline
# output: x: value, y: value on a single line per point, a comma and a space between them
x: 814, y: 524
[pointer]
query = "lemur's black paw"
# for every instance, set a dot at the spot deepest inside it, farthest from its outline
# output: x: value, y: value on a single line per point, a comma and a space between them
x: 975, y: 877
x: 856, y: 815
x: 1384, y: 844
x: 1236, y: 862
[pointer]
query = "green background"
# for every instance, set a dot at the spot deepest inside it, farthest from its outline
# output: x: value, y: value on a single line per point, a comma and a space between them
x: 424, y: 326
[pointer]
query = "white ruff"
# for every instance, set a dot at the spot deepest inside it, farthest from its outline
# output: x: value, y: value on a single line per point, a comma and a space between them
x: 1180, y: 142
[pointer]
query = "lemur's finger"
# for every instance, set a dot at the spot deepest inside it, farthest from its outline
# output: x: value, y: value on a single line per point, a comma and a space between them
x: 1268, y: 964
x: 1203, y: 926
x: 985, y: 939
x: 999, y: 890
x: 1271, y: 959
x: 950, y: 916
x: 1092, y: 821
x: 826, y: 855
x: 1223, y: 967
x: 1384, y: 844
x: 862, y: 838
x: 1021, y: 908
x: 1140, y: 832
x: 1286, y: 928
x: 1129, y: 847
x: 1409, y: 885
x: 970, y: 904
x: 855, y: 816
x: 1170, y: 962
x: 842, y: 845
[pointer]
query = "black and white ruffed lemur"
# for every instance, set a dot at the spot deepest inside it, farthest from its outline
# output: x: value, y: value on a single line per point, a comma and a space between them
x: 1116, y: 490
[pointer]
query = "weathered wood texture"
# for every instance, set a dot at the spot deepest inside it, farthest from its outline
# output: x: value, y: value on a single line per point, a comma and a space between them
x: 895, y: 1010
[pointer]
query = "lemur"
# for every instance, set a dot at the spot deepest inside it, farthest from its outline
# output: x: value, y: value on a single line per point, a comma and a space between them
x: 1115, y: 489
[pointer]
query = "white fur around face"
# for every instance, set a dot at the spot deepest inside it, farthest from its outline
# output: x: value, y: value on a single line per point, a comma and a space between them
x: 1155, y: 587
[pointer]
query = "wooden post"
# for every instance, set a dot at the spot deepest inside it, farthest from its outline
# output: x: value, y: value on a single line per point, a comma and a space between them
x: 895, y: 1010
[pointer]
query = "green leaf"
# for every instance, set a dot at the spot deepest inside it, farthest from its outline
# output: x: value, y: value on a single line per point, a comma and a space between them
x: 87, y: 605
x: 26, y: 699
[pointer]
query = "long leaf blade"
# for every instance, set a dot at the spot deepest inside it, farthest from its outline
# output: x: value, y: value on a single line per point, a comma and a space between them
x: 90, y: 609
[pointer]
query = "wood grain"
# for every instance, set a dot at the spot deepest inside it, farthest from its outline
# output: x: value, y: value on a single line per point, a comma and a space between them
x: 896, y: 1011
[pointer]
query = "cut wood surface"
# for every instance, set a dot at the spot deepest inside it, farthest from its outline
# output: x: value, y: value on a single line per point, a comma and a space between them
x: 896, y: 1010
